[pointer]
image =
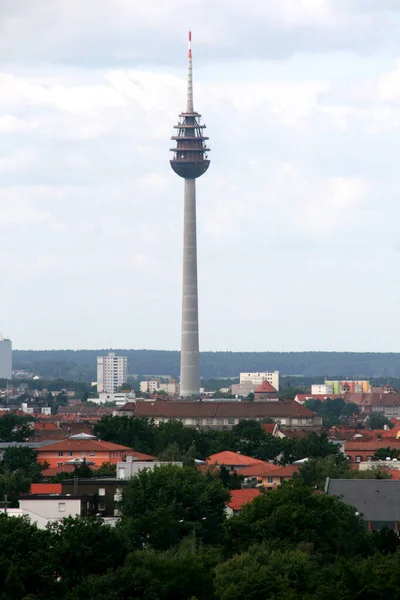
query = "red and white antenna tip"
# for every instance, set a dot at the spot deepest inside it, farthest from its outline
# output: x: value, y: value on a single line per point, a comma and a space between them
x: 190, y: 44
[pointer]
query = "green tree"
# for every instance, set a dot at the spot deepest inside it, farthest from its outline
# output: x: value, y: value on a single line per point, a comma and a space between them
x: 387, y: 452
x: 314, y: 472
x: 15, y: 428
x: 150, y: 575
x: 378, y: 421
x: 24, y: 560
x: 163, y: 506
x: 263, y: 573
x: 296, y: 514
x: 136, y: 433
x: 84, y: 546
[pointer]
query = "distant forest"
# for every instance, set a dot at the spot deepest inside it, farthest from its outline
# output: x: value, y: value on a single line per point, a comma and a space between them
x: 80, y: 365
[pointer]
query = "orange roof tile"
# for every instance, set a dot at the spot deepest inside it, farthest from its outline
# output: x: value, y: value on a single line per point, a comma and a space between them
x: 269, y: 427
x: 287, y: 471
x: 87, y: 445
x: 46, y: 488
x: 258, y: 470
x: 241, y: 497
x: 265, y: 388
x: 52, y: 471
x: 232, y: 459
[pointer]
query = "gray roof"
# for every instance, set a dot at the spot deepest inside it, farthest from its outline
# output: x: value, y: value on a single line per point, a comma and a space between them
x: 4, y: 445
x: 375, y: 499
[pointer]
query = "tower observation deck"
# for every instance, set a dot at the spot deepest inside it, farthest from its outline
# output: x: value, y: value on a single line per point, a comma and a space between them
x: 190, y: 161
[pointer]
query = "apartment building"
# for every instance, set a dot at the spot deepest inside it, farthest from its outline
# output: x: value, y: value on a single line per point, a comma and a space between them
x: 112, y: 371
x: 257, y: 379
x: 154, y: 386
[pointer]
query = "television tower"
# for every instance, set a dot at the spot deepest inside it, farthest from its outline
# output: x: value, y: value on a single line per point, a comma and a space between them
x: 190, y: 161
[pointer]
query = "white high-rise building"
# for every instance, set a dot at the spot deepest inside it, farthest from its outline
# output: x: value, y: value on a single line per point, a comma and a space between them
x: 112, y: 372
x: 5, y: 358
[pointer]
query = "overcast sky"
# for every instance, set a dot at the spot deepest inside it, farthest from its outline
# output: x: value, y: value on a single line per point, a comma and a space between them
x: 298, y: 215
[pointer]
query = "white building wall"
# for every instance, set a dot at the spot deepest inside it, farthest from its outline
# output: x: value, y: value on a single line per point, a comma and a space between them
x: 126, y: 470
x: 5, y: 359
x: 44, y: 511
x: 257, y: 378
x: 112, y: 372
x: 318, y: 388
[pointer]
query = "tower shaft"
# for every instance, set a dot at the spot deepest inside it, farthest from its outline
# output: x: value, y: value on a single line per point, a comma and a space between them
x: 190, y: 372
x: 190, y: 161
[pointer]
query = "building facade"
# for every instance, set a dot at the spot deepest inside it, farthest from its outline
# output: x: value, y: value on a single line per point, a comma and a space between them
x: 153, y: 386
x: 5, y: 359
x: 257, y: 379
x: 112, y: 372
x: 224, y: 414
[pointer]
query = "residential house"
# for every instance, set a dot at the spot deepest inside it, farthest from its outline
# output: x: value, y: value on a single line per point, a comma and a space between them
x: 387, y: 403
x: 377, y: 501
x: 269, y: 476
x: 234, y: 460
x: 76, y: 451
x: 265, y: 391
x: 132, y: 465
x: 211, y: 414
x: 106, y: 492
x: 239, y: 498
x: 359, y: 451
x: 44, y: 509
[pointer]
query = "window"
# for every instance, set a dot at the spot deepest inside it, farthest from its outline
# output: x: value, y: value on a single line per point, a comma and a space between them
x: 83, y: 453
x: 209, y: 421
x: 102, y: 491
x: 93, y: 454
x: 358, y: 459
x: 121, y: 472
x: 61, y: 507
x: 369, y: 458
x: 59, y: 464
x: 69, y: 453
x: 269, y: 479
x: 220, y: 421
x: 231, y: 421
x: 61, y: 453
x: 102, y: 506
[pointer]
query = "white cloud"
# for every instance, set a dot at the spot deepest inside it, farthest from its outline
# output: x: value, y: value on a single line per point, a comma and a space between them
x: 303, y: 171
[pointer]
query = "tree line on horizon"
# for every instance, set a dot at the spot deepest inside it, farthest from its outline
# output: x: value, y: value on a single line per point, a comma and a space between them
x: 80, y: 365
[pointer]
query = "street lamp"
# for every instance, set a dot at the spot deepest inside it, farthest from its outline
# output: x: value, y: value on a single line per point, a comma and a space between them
x: 6, y: 478
x: 194, y: 523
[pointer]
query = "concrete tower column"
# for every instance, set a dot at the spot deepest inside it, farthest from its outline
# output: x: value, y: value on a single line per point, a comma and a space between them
x: 190, y: 161
x: 190, y: 374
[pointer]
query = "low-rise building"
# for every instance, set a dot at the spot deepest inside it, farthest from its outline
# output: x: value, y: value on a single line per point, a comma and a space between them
x: 154, y: 386
x: 133, y: 465
x: 45, y: 509
x: 269, y: 476
x: 257, y: 378
x: 234, y: 460
x: 223, y: 414
x: 240, y: 498
x: 75, y: 451
x: 377, y: 501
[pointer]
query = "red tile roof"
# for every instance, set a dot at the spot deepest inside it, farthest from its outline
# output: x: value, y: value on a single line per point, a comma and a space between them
x: 232, y: 459
x: 241, y: 497
x: 45, y: 426
x: 371, y: 445
x: 258, y: 470
x: 140, y: 455
x: 83, y: 445
x: 211, y: 409
x: 46, y: 488
x: 269, y: 427
x: 373, y: 399
x: 265, y: 388
x: 287, y: 471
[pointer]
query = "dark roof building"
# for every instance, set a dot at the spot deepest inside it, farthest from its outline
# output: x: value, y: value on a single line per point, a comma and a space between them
x: 377, y: 500
x: 222, y: 415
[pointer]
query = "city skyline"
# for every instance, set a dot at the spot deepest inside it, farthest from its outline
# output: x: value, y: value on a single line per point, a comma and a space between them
x: 297, y: 222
